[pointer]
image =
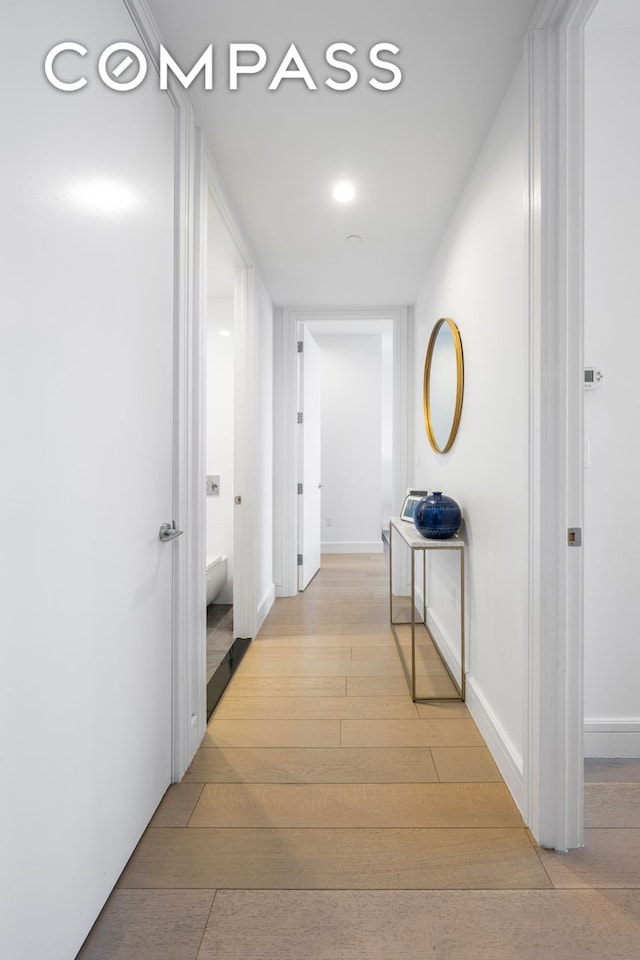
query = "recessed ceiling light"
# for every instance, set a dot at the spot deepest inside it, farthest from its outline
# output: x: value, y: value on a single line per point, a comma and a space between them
x: 225, y: 333
x: 354, y: 239
x: 344, y: 191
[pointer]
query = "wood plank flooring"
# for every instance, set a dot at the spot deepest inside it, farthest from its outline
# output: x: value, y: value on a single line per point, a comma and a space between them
x: 326, y: 815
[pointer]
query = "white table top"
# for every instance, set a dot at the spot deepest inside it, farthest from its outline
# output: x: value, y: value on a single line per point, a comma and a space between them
x: 414, y: 539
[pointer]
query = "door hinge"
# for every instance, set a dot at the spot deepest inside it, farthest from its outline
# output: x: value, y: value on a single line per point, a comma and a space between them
x: 300, y: 418
x: 300, y: 346
x: 300, y: 488
x: 299, y: 559
x: 574, y: 536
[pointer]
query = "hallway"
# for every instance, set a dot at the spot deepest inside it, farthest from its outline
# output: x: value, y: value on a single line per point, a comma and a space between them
x: 327, y: 816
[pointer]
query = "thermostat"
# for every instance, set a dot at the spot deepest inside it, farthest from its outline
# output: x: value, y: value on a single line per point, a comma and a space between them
x: 593, y: 378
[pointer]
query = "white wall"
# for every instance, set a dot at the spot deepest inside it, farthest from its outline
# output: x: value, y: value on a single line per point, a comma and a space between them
x: 612, y: 341
x: 479, y: 278
x: 87, y: 288
x: 220, y: 427
x: 351, y: 443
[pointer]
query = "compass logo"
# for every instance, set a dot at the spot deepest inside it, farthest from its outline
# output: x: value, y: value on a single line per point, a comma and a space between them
x: 243, y: 59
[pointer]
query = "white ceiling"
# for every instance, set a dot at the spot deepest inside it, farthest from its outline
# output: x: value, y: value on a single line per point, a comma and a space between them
x: 619, y: 14
x: 409, y: 152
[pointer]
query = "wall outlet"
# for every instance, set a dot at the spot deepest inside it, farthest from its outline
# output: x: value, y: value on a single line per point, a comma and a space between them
x: 213, y: 485
x: 328, y: 521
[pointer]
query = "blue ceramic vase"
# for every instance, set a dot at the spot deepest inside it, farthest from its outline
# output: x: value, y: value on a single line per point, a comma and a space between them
x: 437, y: 517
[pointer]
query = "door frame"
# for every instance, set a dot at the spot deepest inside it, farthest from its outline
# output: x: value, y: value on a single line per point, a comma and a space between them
x: 306, y: 440
x: 197, y: 178
x: 286, y: 423
x: 554, y: 751
x: 186, y: 729
x: 209, y: 189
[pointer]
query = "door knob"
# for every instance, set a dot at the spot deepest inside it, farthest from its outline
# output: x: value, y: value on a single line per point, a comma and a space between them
x: 169, y: 531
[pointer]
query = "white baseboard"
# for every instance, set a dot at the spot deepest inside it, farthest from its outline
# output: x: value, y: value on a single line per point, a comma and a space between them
x: 265, y: 605
x: 612, y: 738
x: 502, y: 750
x: 504, y: 753
x: 450, y: 653
x: 341, y: 546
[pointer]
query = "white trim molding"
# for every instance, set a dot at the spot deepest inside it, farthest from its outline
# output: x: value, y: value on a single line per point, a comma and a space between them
x: 208, y: 187
x: 285, y: 423
x: 246, y: 607
x: 343, y: 546
x: 612, y: 738
x: 285, y: 453
x: 188, y: 707
x: 507, y: 758
x: 245, y: 466
x: 554, y: 751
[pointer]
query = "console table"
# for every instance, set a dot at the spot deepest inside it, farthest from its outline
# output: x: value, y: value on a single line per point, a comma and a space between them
x: 416, y: 543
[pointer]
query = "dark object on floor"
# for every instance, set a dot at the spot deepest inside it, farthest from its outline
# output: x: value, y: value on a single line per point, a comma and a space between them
x: 218, y: 683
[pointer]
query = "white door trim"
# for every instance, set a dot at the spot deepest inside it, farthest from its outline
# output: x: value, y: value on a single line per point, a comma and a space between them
x: 197, y: 177
x: 245, y: 603
x: 286, y: 426
x: 309, y: 458
x: 285, y: 453
x: 246, y: 467
x: 554, y: 754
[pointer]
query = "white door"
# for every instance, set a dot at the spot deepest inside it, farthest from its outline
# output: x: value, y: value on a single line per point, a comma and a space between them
x: 86, y: 410
x: 309, y: 510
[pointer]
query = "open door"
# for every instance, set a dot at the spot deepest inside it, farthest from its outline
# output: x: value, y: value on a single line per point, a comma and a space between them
x: 309, y: 464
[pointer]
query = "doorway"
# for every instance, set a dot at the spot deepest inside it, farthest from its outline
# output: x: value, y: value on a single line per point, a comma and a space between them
x: 223, y: 260
x: 355, y: 435
x: 343, y: 490
x: 226, y: 305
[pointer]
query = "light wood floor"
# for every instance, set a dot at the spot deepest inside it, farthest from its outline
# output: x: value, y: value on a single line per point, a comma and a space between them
x: 326, y: 816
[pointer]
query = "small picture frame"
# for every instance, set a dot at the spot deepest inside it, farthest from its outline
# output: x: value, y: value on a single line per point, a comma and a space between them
x: 409, y: 505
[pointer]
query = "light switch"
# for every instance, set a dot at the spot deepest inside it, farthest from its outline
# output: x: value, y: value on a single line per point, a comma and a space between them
x: 593, y: 378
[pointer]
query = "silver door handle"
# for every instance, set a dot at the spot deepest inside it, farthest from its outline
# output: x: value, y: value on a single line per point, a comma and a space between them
x: 168, y: 531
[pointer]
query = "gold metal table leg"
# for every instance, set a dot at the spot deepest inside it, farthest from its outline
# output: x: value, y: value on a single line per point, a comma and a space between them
x: 390, y: 573
x: 463, y: 667
x: 413, y: 625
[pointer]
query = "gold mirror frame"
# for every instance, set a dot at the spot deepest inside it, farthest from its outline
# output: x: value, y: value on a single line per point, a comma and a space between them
x: 457, y: 341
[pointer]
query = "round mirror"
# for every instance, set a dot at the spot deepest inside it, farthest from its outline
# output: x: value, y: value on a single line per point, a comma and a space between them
x: 443, y: 385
